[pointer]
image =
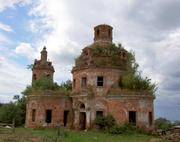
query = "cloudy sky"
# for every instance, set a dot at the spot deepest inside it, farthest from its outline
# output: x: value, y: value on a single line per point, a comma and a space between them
x: 150, y: 28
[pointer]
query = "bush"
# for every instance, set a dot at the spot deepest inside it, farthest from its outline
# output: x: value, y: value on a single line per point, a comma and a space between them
x: 105, y: 122
x: 127, y: 128
x: 137, y: 82
x: 163, y: 123
x: 45, y: 83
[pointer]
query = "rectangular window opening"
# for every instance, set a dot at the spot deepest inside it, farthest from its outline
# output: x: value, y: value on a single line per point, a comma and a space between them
x: 100, y: 81
x: 83, y: 82
x: 66, y: 117
x: 48, y: 116
x: 99, y: 113
x: 33, y: 115
x: 150, y: 118
x: 74, y: 83
x: 132, y: 117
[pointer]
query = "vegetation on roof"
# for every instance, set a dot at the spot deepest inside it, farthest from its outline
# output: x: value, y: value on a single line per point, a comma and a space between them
x: 102, y: 55
x: 46, y: 84
x: 133, y: 79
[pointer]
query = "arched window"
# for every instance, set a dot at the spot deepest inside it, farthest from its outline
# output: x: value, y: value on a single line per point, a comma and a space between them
x: 82, y: 106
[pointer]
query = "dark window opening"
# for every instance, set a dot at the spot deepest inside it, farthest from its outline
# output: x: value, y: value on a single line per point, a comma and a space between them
x: 150, y: 118
x: 132, y: 117
x: 97, y: 32
x: 124, y: 54
x: 74, y: 83
x: 120, y: 82
x: 66, y: 117
x: 33, y: 115
x: 82, y: 120
x: 48, y: 115
x: 100, y: 81
x: 84, y: 82
x: 82, y: 106
x: 34, y: 77
x: 99, y: 113
x: 109, y: 32
x: 48, y: 75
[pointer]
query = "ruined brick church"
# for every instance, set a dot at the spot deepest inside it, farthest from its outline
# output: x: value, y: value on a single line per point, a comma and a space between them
x: 95, y: 90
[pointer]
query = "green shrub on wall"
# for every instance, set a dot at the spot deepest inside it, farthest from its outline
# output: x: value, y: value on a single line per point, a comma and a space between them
x: 132, y: 78
x: 44, y: 83
x: 105, y: 122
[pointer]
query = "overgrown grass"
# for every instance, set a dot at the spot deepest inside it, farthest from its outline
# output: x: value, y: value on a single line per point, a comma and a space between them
x: 50, y: 135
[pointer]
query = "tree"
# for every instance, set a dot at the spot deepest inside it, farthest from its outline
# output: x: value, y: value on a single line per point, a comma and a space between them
x: 14, y: 110
x: 67, y: 85
x: 163, y: 123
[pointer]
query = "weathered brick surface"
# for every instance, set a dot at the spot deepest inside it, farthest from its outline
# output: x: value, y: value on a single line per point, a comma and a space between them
x: 119, y: 107
x: 84, y: 101
x: 58, y: 104
x: 111, y: 77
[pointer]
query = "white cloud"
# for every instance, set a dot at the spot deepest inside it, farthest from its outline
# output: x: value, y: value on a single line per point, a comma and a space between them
x: 13, y: 78
x: 10, y: 3
x: 25, y: 49
x: 5, y: 27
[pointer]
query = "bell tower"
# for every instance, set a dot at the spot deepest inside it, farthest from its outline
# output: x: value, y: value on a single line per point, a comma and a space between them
x: 42, y: 67
x: 103, y: 33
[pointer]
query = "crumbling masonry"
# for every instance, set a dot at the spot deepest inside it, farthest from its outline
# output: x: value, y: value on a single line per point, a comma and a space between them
x: 95, y: 92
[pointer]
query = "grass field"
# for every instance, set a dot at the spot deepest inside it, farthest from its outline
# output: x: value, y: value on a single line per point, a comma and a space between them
x: 51, y: 135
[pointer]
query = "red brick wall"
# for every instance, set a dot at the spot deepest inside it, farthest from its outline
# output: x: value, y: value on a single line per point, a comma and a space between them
x: 41, y: 103
x: 120, y: 106
x: 111, y: 77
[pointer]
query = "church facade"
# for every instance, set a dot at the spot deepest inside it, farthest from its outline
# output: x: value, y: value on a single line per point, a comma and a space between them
x: 96, y: 90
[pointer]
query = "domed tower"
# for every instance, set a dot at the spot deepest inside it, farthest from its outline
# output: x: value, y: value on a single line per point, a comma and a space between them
x: 103, y: 33
x: 101, y: 64
x: 97, y: 85
x: 42, y: 67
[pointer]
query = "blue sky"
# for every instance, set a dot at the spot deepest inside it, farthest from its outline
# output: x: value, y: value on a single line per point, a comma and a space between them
x: 150, y: 28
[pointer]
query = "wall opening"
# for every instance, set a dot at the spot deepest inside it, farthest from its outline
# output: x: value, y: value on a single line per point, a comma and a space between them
x: 48, y: 115
x: 100, y: 81
x: 99, y: 113
x: 82, y: 106
x: 97, y: 32
x: 74, y: 83
x: 33, y: 115
x: 66, y: 113
x: 34, y: 77
x: 150, y: 118
x: 82, y: 120
x: 48, y: 75
x: 83, y: 82
x: 132, y: 117
x: 109, y: 32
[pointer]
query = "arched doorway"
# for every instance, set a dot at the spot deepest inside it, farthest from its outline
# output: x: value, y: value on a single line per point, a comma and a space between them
x: 82, y: 116
x: 82, y: 120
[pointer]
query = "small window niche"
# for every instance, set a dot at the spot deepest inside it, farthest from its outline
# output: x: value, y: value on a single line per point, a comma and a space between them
x: 48, y: 116
x: 97, y: 32
x: 132, y: 117
x: 109, y: 33
x: 99, y: 114
x: 100, y: 81
x: 34, y: 77
x: 83, y: 82
x: 150, y: 118
x: 66, y: 113
x: 33, y: 115
x: 74, y: 83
